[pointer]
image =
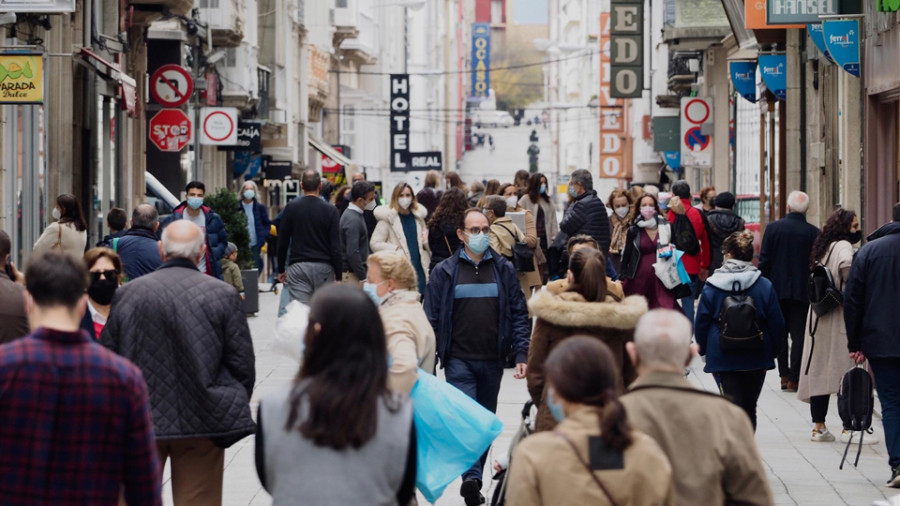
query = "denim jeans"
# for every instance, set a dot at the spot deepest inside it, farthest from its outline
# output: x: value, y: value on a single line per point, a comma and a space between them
x: 480, y: 380
x: 887, y: 381
x: 687, y: 303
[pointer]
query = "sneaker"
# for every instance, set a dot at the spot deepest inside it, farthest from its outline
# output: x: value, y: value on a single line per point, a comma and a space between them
x: 870, y: 439
x: 821, y: 436
x: 471, y: 492
x: 894, y: 482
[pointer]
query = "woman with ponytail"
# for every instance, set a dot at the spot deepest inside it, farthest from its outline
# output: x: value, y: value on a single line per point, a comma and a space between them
x: 585, y: 308
x: 593, y: 456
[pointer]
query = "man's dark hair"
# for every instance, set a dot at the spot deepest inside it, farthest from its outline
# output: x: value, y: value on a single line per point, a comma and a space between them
x: 896, y: 214
x: 195, y: 184
x: 310, y: 181
x: 56, y: 279
x: 575, y: 240
x: 117, y: 219
x: 584, y: 178
x: 497, y: 205
x: 360, y: 189
x: 144, y: 216
x: 724, y: 200
x: 681, y: 189
x: 5, y: 244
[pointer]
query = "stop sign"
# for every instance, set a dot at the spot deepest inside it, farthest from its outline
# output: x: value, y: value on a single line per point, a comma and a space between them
x: 170, y: 130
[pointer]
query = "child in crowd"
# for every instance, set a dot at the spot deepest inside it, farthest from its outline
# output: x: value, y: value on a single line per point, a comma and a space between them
x: 230, y: 269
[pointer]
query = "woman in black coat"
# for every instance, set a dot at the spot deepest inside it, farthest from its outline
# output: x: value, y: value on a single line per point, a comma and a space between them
x: 443, y: 224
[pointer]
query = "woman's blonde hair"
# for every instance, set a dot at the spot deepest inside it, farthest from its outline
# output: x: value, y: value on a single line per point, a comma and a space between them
x: 394, y: 265
x: 395, y: 197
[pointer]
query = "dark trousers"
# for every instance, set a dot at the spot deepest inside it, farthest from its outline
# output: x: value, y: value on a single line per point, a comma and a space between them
x: 480, y: 380
x: 687, y: 303
x: 887, y: 380
x: 818, y: 407
x: 257, y: 258
x: 789, y: 358
x: 743, y: 389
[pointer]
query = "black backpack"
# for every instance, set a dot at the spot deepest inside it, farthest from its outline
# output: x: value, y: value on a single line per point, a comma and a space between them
x: 823, y: 295
x: 683, y: 235
x: 739, y: 323
x: 856, y: 402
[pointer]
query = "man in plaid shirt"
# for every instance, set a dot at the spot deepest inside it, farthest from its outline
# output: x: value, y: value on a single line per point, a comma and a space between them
x: 74, y: 417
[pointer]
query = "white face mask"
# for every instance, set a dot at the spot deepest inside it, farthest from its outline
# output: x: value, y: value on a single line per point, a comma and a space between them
x: 512, y: 202
x: 371, y: 205
x: 622, y: 211
x: 404, y: 202
x: 55, y: 213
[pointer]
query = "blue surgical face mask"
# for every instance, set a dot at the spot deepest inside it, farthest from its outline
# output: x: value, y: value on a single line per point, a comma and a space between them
x: 195, y: 202
x: 572, y: 191
x: 371, y: 290
x: 543, y: 188
x: 555, y: 409
x: 479, y: 243
x: 249, y: 194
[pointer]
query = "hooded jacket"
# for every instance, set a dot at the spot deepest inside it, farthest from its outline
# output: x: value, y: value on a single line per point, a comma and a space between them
x: 567, y: 314
x: 389, y: 234
x: 722, y: 223
x: 216, y: 236
x: 748, y: 279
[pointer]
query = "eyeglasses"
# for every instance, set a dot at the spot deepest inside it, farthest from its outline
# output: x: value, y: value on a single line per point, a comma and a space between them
x: 484, y: 230
x: 112, y: 274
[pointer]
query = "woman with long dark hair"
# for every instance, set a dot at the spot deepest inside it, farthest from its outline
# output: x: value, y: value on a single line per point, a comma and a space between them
x: 566, y: 467
x: 647, y: 233
x: 585, y: 308
x: 68, y: 233
x: 537, y: 200
x: 338, y: 435
x: 443, y: 224
x: 825, y: 357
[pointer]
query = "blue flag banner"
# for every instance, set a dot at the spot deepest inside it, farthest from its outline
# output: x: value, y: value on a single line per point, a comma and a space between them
x: 818, y: 37
x: 673, y: 160
x: 842, y: 41
x: 481, y: 60
x: 743, y: 75
x: 774, y: 73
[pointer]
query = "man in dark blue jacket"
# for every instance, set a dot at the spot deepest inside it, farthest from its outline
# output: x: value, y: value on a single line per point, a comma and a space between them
x: 784, y: 260
x: 139, y: 247
x: 587, y: 214
x: 258, y: 223
x: 216, y: 238
x: 872, y: 319
x: 477, y: 308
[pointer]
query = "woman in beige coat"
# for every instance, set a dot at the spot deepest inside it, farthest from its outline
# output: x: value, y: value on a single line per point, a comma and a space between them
x: 392, y: 285
x: 68, y: 233
x: 537, y: 202
x: 401, y: 227
x: 530, y: 280
x: 825, y: 356
x: 563, y: 467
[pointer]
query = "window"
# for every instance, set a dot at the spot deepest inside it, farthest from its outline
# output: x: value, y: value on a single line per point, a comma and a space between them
x: 348, y: 125
x: 341, y: 4
x: 497, y: 12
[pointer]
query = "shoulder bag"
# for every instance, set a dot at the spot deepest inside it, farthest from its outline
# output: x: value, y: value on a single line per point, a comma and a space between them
x: 523, y: 256
x: 587, y: 467
x: 58, y: 246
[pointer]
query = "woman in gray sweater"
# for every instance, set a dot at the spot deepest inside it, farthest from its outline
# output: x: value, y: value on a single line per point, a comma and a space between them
x: 337, y: 435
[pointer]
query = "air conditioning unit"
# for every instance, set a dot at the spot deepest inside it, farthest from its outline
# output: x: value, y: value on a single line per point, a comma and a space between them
x: 278, y: 116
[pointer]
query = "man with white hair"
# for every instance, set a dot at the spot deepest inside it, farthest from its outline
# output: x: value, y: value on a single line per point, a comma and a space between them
x: 709, y: 440
x: 784, y: 260
x: 258, y: 223
x: 188, y: 334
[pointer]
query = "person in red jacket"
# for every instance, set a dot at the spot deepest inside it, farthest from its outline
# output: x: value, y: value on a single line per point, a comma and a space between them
x: 693, y: 264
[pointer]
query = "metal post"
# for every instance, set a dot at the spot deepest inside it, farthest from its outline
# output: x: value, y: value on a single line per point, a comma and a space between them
x: 11, y: 178
x: 198, y: 162
x: 339, y: 111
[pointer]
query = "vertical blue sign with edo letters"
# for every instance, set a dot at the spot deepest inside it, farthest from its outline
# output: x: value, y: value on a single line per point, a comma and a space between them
x: 774, y: 73
x: 743, y: 75
x: 481, y: 60
x: 842, y: 40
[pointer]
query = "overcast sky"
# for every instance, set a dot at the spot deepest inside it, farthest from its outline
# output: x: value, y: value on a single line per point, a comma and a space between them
x: 530, y: 12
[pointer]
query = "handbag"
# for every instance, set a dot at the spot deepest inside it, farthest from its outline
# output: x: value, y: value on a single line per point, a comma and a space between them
x: 523, y: 256
x: 58, y: 246
x: 587, y: 467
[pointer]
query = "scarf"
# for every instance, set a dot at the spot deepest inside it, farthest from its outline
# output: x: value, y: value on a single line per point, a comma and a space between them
x: 619, y: 235
x: 651, y: 223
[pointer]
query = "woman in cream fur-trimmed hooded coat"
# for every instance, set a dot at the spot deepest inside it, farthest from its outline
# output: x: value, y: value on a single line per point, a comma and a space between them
x: 389, y: 234
x: 567, y: 314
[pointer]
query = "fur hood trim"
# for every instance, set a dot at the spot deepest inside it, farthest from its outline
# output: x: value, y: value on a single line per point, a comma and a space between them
x: 569, y: 309
x: 389, y: 214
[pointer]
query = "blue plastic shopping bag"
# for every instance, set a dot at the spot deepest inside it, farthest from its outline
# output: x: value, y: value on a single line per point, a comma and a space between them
x: 452, y: 432
x: 682, y: 272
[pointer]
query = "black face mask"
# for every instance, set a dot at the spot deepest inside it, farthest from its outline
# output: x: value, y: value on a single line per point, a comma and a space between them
x: 855, y: 237
x: 102, y: 291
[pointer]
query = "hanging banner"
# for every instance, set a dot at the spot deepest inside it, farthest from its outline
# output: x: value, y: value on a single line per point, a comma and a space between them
x: 817, y: 34
x: 842, y: 41
x: 673, y: 160
x: 481, y: 60
x: 774, y: 73
x: 743, y: 75
x: 21, y: 78
x: 399, y: 121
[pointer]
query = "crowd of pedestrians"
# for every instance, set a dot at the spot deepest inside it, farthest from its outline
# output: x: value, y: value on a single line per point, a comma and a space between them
x: 119, y: 359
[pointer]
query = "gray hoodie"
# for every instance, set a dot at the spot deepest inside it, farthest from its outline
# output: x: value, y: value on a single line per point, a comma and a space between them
x: 744, y: 273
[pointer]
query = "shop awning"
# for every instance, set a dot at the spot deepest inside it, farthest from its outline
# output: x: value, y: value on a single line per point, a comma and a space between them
x: 111, y: 71
x: 329, y: 151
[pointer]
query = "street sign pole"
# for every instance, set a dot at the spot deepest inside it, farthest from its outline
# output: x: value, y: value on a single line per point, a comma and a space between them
x: 198, y: 162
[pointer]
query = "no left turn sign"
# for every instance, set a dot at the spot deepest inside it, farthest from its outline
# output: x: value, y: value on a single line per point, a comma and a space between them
x: 218, y: 126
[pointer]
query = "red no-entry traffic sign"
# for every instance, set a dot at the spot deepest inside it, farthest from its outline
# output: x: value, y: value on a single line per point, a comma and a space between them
x: 170, y: 130
x: 171, y: 85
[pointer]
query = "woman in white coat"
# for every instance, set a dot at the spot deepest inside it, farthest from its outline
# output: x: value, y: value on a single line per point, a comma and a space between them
x: 401, y: 227
x: 68, y: 233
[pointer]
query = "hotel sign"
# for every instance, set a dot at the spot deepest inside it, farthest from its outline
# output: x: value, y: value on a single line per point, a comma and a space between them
x: 786, y: 12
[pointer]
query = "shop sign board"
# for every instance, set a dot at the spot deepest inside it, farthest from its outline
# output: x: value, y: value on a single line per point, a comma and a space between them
x: 755, y: 17
x: 743, y: 75
x: 612, y: 112
x: 786, y: 12
x: 696, y: 148
x: 399, y: 121
x: 426, y: 160
x: 249, y: 137
x: 481, y: 60
x: 817, y: 34
x: 773, y: 68
x: 842, y: 41
x: 626, y: 50
x: 21, y: 78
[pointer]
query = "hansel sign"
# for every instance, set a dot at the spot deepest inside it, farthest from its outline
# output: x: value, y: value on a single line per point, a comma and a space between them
x: 426, y: 160
x: 399, y: 121
x: 696, y: 148
x: 773, y: 68
x: 170, y: 130
x: 249, y: 137
x: 842, y: 41
x: 219, y: 126
x: 481, y: 60
x: 786, y: 12
x: 21, y: 78
x: 627, y: 49
x: 743, y: 75
x: 817, y: 34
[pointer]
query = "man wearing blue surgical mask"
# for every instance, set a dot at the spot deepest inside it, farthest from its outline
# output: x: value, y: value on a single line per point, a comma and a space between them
x: 216, y: 238
x: 477, y: 308
x: 257, y: 220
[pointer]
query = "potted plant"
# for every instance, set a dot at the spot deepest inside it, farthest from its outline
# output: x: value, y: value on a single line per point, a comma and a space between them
x: 227, y: 205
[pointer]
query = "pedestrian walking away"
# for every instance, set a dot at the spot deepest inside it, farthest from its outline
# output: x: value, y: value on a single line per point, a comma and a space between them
x: 117, y: 222
x: 139, y: 247
x: 68, y: 233
x: 708, y: 440
x: 195, y: 351
x: 696, y: 262
x: 872, y: 320
x: 784, y: 260
x: 593, y: 456
x: 214, y: 235
x: 722, y: 222
x: 476, y: 307
x: 575, y: 243
x: 75, y: 422
x: 13, y: 318
x: 443, y: 241
x: 429, y: 196
x: 309, y: 242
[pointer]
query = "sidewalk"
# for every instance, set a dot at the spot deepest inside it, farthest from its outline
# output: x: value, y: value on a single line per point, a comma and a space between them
x: 800, y: 472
